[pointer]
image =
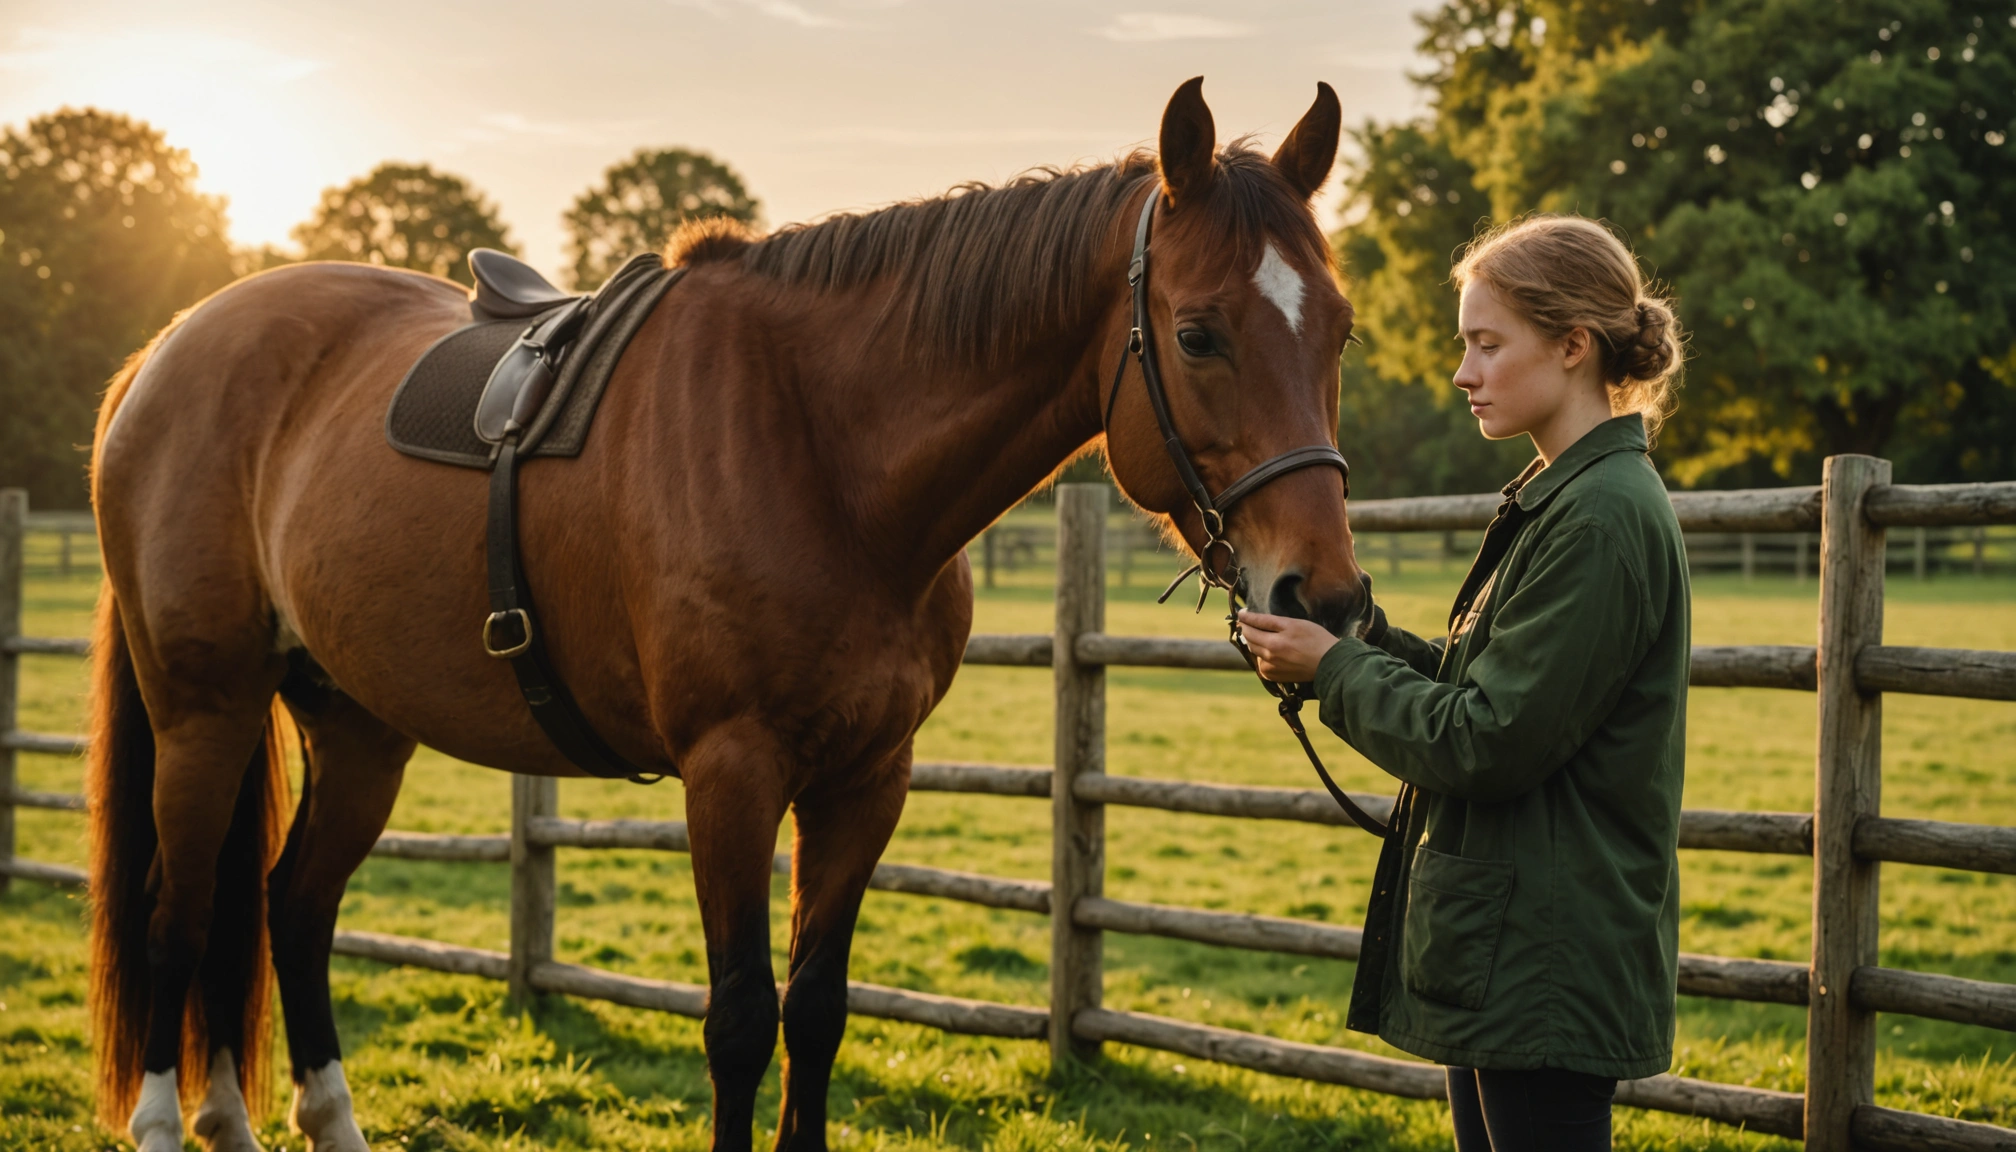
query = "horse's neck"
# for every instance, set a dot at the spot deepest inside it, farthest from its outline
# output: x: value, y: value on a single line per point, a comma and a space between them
x: 949, y: 451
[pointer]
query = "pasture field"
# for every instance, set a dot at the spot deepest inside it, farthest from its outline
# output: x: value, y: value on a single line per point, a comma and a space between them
x: 438, y: 1062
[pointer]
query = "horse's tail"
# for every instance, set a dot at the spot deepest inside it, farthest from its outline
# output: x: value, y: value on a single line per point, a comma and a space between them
x: 119, y: 792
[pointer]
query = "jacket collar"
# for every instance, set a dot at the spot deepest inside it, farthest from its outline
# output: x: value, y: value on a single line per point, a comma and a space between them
x: 1538, y: 483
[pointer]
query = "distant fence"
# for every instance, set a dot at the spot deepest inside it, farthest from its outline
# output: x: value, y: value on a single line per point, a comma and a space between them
x: 65, y: 544
x: 1021, y: 552
x: 1846, y: 836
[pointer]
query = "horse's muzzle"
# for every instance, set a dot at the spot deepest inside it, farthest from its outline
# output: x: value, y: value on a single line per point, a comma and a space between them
x: 1343, y: 613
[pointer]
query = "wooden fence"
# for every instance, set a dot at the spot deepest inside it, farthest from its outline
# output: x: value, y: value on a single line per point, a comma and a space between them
x: 1846, y: 836
x: 1023, y: 552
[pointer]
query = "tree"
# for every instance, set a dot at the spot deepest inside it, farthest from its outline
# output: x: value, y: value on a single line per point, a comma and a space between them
x: 1824, y: 186
x: 404, y: 216
x: 642, y: 201
x: 102, y: 239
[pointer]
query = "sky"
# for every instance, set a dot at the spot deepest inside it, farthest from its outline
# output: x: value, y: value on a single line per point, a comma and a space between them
x: 820, y: 105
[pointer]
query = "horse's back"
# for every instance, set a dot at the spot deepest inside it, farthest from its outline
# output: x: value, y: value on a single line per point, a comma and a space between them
x: 255, y: 361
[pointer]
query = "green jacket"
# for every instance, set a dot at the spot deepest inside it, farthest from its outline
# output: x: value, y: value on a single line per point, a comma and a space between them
x: 1525, y: 913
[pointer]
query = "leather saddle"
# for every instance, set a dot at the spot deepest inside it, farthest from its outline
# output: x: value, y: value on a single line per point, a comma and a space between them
x: 507, y: 288
x: 524, y: 378
x: 519, y: 384
x: 532, y: 357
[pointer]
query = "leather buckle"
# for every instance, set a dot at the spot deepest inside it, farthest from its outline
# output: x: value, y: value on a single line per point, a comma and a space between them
x: 524, y: 624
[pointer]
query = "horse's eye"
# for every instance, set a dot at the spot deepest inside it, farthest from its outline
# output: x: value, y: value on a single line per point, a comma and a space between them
x: 1196, y: 341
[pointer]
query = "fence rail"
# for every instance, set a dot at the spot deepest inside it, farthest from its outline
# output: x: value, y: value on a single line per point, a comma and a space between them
x: 1849, y: 669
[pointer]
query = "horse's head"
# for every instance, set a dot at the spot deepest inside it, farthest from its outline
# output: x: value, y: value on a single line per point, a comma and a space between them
x: 1245, y: 324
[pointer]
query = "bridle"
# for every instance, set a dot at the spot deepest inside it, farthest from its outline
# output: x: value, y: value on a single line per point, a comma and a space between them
x: 1212, y: 511
x: 1217, y: 563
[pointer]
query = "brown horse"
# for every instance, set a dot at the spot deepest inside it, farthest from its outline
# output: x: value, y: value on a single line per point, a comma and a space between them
x: 755, y: 572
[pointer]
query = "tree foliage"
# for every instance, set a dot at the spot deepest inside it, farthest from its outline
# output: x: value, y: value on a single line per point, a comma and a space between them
x: 1826, y: 187
x: 404, y: 216
x: 642, y: 201
x: 103, y: 237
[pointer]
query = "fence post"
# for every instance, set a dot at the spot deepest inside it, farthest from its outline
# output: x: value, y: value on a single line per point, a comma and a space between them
x: 13, y: 527
x: 1749, y: 541
x: 1078, y: 829
x: 532, y: 886
x: 1840, y: 1038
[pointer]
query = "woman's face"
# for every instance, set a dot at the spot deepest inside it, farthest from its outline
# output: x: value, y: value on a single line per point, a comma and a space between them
x: 1518, y: 381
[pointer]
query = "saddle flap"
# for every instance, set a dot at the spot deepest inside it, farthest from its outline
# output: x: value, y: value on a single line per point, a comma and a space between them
x: 523, y: 378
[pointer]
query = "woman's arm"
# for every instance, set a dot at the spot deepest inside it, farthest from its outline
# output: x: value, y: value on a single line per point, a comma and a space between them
x: 1422, y: 655
x: 1561, y: 649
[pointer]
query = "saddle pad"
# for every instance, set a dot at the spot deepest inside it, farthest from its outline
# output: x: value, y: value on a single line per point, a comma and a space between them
x: 433, y: 414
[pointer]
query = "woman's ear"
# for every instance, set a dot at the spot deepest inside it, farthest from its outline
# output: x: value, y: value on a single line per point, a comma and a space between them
x: 1576, y: 347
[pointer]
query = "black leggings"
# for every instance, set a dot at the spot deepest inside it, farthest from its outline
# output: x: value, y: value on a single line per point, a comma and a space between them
x: 1544, y: 1110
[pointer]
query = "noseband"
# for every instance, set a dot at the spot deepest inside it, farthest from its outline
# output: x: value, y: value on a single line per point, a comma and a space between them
x: 1217, y: 561
x: 1209, y: 570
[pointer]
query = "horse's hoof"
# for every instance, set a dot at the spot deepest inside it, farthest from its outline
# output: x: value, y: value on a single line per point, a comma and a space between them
x: 323, y: 1114
x: 221, y: 1132
x: 221, y: 1121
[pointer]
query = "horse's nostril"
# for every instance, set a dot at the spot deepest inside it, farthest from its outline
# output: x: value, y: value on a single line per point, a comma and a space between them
x: 1285, y: 597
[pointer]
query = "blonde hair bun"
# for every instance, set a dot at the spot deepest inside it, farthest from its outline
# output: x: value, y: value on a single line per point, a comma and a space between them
x: 1652, y: 353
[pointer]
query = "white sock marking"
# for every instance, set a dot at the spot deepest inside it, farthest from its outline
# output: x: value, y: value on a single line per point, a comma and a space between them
x: 221, y: 1121
x: 1280, y: 282
x: 156, y: 1125
x: 322, y: 1111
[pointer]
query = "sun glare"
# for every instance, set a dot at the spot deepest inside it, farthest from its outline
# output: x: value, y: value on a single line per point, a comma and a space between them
x: 247, y: 113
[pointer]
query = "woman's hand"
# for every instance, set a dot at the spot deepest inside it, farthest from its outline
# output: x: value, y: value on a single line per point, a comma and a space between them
x: 1286, y: 649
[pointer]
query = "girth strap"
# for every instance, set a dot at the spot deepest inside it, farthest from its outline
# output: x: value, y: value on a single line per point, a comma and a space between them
x: 512, y: 633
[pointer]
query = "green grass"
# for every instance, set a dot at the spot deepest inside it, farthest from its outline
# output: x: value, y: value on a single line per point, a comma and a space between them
x: 438, y: 1062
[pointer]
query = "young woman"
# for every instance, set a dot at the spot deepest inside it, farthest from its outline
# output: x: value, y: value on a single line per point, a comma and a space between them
x: 1522, y: 927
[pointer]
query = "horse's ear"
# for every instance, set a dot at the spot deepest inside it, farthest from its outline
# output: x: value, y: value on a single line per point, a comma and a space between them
x: 1306, y: 155
x: 1188, y: 137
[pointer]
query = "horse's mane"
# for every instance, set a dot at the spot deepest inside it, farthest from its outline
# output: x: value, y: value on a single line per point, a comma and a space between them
x: 984, y: 269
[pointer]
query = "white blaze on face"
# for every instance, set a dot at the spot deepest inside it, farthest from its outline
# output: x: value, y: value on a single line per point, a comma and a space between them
x: 1281, y: 283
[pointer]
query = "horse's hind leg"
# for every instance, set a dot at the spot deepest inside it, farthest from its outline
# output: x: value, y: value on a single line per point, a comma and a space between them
x: 236, y: 988
x: 354, y: 767
x: 202, y: 753
x: 734, y: 802
x: 840, y: 836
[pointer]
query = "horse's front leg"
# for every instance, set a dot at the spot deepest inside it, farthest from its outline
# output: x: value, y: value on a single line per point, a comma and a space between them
x: 735, y: 798
x: 841, y: 832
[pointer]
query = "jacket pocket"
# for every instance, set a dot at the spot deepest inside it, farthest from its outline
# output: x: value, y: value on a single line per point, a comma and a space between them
x: 1449, y: 935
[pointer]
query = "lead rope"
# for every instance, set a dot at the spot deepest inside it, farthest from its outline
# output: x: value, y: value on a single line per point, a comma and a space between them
x: 1289, y: 703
